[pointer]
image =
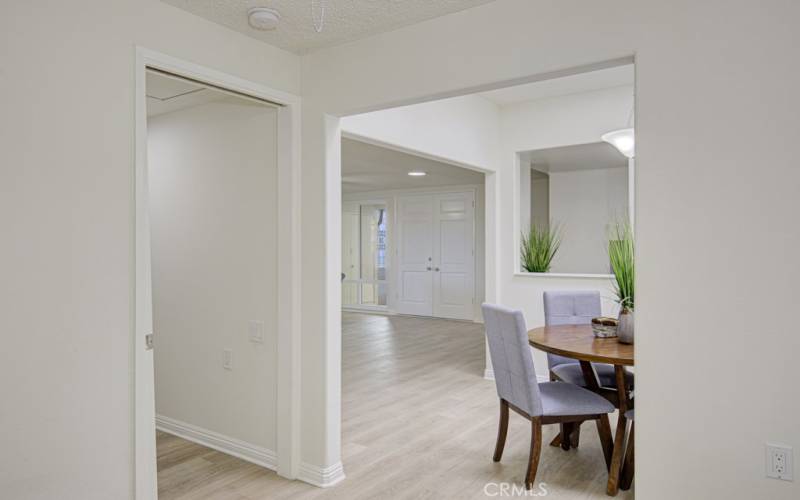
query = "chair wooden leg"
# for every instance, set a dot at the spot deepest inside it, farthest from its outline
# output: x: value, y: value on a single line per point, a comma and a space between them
x: 604, y: 430
x: 628, y: 465
x: 556, y: 440
x: 502, y: 431
x: 536, y: 451
x: 566, y: 435
x: 619, y: 438
x: 575, y: 438
x: 573, y: 433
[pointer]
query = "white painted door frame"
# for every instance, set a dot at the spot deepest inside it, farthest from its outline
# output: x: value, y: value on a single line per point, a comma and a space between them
x: 288, y: 320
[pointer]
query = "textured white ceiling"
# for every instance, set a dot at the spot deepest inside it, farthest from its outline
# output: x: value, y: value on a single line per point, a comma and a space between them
x: 345, y: 20
x: 366, y: 167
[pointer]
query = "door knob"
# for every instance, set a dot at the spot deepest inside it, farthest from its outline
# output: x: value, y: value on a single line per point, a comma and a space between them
x: 428, y: 268
x: 436, y: 269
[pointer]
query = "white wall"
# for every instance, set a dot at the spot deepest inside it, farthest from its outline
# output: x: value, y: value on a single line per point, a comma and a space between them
x: 716, y: 93
x: 540, y: 201
x: 212, y: 175
x: 587, y: 204
x: 66, y: 209
x: 525, y: 193
x: 460, y: 129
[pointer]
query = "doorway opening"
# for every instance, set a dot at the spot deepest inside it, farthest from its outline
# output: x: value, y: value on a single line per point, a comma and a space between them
x: 412, y: 233
x: 504, y: 135
x: 212, y: 172
x: 217, y: 205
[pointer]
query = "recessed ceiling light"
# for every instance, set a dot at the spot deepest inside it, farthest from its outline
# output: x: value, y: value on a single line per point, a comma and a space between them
x: 264, y: 19
x: 417, y: 173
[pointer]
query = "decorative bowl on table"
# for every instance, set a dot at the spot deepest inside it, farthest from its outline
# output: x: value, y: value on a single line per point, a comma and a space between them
x: 604, y: 328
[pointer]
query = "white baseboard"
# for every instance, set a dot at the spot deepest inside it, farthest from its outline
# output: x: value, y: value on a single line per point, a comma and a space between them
x: 231, y: 446
x: 379, y: 312
x: 323, y: 477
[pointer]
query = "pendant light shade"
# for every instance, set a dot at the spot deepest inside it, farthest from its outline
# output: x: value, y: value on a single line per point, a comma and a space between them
x: 623, y: 140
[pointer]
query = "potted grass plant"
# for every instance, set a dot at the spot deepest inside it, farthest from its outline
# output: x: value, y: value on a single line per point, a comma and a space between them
x: 621, y: 257
x: 539, y: 246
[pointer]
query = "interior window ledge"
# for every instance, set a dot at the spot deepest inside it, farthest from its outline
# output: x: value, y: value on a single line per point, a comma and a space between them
x: 563, y: 275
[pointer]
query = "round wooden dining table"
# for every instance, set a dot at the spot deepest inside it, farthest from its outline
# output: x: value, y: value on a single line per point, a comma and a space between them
x: 578, y: 342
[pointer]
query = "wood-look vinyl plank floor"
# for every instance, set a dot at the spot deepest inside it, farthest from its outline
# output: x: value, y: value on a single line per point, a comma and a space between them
x: 418, y: 422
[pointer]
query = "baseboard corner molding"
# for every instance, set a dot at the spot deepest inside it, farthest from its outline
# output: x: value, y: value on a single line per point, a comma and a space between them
x: 216, y: 441
x: 322, y: 477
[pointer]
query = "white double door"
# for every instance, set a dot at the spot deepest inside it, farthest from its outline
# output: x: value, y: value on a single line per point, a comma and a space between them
x: 436, y: 255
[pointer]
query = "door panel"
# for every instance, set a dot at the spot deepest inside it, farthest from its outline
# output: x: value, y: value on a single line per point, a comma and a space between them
x: 454, y: 289
x: 453, y: 234
x: 454, y: 260
x: 416, y: 245
x: 415, y: 254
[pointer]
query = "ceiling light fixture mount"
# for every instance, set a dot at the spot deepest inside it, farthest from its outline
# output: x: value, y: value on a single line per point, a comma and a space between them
x: 417, y: 173
x: 263, y: 18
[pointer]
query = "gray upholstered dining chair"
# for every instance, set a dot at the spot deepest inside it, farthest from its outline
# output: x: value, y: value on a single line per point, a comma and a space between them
x: 575, y: 307
x: 541, y: 403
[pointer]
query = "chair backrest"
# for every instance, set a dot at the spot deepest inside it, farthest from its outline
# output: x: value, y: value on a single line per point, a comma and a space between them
x: 512, y: 360
x: 569, y: 307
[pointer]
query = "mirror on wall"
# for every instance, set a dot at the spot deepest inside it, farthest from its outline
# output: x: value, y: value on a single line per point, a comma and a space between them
x: 571, y: 198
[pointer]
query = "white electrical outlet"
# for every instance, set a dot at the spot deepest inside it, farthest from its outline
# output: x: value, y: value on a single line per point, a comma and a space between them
x: 780, y: 464
x: 227, y: 359
x: 256, y: 332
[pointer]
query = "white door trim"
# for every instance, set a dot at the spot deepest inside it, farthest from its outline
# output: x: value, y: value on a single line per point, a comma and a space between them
x: 288, y: 369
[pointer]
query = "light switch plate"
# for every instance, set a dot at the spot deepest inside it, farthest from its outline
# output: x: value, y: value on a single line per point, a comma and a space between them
x: 256, y: 331
x: 227, y: 359
x: 780, y: 463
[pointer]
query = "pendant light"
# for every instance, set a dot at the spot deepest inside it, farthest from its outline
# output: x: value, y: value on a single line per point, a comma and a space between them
x: 623, y: 139
x: 318, y: 14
